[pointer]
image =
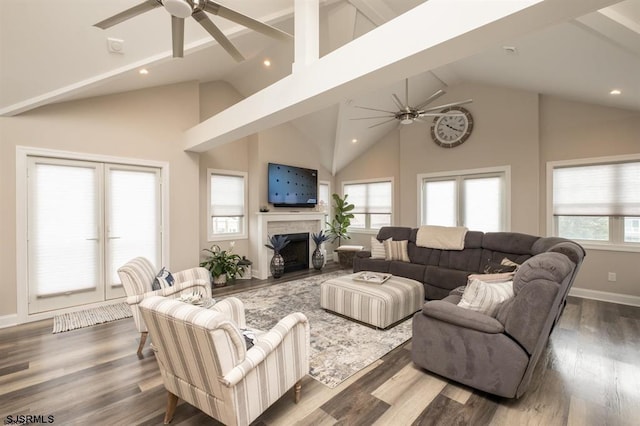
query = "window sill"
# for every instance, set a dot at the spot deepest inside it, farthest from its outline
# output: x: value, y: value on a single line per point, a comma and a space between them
x: 364, y: 231
x: 610, y: 247
x: 226, y: 237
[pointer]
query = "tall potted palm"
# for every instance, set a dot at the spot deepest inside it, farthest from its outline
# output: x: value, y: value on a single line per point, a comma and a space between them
x: 339, y: 225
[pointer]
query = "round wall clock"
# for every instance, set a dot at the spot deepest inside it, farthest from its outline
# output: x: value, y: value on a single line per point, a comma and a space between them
x: 452, y: 130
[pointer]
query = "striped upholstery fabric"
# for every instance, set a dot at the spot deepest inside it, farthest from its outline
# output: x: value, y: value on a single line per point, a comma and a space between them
x: 138, y: 274
x: 379, y: 305
x: 202, y: 357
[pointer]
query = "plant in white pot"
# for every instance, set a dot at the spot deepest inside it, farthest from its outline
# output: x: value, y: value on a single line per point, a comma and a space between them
x: 223, y: 265
x: 339, y: 225
x: 277, y: 243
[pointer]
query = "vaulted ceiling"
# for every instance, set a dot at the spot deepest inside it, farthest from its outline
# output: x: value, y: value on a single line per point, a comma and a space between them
x: 50, y: 52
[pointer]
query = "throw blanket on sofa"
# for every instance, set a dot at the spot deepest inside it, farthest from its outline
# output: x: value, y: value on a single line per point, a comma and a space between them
x: 441, y: 237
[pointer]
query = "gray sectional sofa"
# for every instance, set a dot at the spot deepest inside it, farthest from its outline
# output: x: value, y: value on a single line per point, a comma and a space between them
x: 496, y: 354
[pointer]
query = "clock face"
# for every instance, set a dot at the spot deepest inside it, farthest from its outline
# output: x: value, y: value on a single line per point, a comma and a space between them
x: 452, y: 130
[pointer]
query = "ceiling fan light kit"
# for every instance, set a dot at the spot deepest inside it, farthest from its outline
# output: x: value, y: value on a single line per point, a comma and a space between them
x: 182, y: 9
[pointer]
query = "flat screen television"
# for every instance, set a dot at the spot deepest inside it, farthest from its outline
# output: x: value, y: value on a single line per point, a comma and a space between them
x: 291, y: 186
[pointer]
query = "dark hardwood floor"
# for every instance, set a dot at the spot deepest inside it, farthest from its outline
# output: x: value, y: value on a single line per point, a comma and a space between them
x: 589, y: 375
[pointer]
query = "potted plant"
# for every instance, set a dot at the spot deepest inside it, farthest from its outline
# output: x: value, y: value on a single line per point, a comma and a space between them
x: 223, y: 265
x: 318, y: 256
x: 338, y: 227
x: 277, y: 243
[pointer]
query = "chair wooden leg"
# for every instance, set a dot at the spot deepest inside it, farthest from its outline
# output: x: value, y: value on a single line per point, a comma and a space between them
x: 172, y: 401
x: 296, y: 391
x: 143, y: 339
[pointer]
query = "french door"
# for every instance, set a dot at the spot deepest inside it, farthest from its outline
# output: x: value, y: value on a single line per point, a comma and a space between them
x: 85, y: 220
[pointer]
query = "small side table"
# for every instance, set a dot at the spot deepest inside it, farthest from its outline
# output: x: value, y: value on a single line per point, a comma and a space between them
x: 346, y: 254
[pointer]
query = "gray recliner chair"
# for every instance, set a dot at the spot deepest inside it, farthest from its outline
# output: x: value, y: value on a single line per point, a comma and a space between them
x: 498, y: 355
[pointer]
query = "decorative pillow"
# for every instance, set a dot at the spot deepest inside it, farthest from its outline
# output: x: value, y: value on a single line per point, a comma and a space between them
x: 492, y: 278
x: 377, y: 249
x: 249, y: 337
x: 497, y: 268
x: 396, y: 250
x: 163, y: 279
x: 507, y: 262
x: 486, y: 297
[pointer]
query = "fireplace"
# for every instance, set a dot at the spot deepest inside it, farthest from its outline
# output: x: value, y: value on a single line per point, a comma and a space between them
x: 296, y: 253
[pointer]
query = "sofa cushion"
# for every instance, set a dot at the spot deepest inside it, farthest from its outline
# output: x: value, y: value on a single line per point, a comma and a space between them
x: 397, y: 233
x: 444, y: 310
x: 445, y: 278
x: 407, y: 270
x: 465, y: 260
x: 509, y: 242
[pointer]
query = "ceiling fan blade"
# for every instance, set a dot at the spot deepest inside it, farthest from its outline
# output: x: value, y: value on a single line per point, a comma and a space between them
x: 431, y: 99
x: 244, y: 20
x: 396, y: 100
x: 381, y: 123
x: 448, y: 105
x: 129, y: 13
x: 177, y: 36
x: 369, y: 118
x: 375, y: 109
x: 438, y: 114
x: 215, y: 32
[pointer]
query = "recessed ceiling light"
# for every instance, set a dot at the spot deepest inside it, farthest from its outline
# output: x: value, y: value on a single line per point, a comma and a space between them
x: 354, y: 140
x: 143, y: 71
x: 615, y: 92
x: 267, y: 63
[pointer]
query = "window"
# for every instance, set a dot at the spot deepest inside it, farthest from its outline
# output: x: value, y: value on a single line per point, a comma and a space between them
x: 476, y: 199
x: 596, y: 201
x: 373, y: 201
x: 227, y: 204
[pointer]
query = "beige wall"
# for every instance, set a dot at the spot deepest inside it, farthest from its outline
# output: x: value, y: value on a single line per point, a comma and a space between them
x: 143, y: 124
x: 524, y: 131
x: 215, y: 97
x: 574, y: 130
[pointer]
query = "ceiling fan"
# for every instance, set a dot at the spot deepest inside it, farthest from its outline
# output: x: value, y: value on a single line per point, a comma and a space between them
x: 181, y: 9
x: 407, y: 114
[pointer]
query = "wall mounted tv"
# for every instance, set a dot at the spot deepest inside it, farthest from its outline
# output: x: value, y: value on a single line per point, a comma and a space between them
x: 291, y: 186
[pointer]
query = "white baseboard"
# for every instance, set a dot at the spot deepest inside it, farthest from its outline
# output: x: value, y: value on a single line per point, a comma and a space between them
x: 8, y: 320
x: 605, y: 296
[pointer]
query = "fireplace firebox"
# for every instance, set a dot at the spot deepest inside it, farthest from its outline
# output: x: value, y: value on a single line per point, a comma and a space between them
x: 296, y: 253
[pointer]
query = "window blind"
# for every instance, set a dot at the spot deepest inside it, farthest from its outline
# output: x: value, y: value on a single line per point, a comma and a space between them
x: 227, y: 196
x: 597, y: 190
x: 370, y: 198
x: 64, y: 228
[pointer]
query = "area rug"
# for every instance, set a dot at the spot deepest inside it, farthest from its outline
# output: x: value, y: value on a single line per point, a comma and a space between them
x: 89, y: 317
x: 339, y: 347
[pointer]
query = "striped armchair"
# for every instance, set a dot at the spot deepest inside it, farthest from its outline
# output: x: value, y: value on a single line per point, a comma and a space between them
x: 137, y: 277
x: 203, y: 358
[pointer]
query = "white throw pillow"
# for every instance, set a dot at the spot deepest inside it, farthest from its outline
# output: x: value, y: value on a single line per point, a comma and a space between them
x: 377, y: 249
x: 396, y: 250
x: 486, y: 297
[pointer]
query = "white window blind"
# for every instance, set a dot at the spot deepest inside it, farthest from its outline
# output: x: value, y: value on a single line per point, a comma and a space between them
x: 440, y: 200
x: 370, y: 198
x: 227, y: 196
x: 63, y: 228
x: 597, y: 190
x: 133, y: 216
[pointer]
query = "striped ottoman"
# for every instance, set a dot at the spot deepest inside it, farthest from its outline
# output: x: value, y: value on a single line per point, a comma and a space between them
x: 379, y: 305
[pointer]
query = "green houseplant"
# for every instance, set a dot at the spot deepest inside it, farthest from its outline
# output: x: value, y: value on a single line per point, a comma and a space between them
x: 277, y: 243
x: 223, y: 264
x: 338, y: 227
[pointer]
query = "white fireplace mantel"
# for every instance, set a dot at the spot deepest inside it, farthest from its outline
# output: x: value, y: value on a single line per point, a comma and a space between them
x: 282, y: 223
